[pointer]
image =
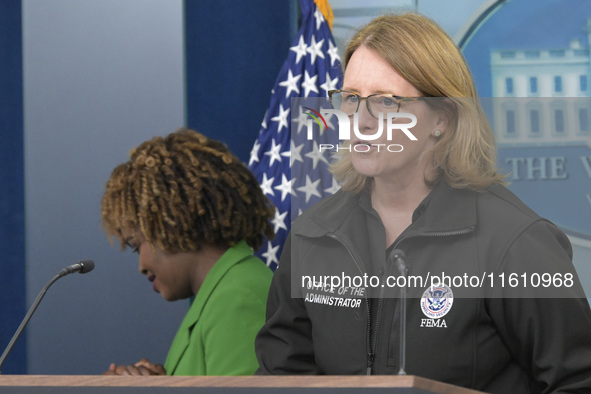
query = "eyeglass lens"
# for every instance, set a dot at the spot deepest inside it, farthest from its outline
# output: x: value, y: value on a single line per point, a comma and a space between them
x: 349, y: 103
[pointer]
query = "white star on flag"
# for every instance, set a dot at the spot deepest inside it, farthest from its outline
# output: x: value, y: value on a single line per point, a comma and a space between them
x: 310, y: 188
x: 296, y: 154
x: 319, y: 18
x: 254, y: 153
x: 270, y: 255
x: 311, y: 69
x: 284, y: 187
x: 317, y: 156
x: 266, y: 185
x: 281, y: 117
x: 273, y: 153
x: 301, y: 120
x: 330, y: 84
x: 333, y: 52
x: 279, y: 221
x: 291, y: 83
x: 300, y: 49
x: 315, y: 50
x: 309, y: 84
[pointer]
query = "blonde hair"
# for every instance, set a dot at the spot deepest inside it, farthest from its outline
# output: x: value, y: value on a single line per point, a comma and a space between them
x: 423, y: 54
x: 184, y: 190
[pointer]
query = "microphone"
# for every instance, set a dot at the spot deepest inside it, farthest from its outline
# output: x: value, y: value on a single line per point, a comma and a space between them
x: 399, y: 259
x: 82, y: 266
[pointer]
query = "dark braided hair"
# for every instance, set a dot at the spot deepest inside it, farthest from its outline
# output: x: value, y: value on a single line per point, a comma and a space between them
x: 184, y: 190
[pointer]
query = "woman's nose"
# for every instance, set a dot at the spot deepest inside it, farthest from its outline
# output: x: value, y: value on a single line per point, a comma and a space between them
x: 142, y: 265
x: 364, y: 121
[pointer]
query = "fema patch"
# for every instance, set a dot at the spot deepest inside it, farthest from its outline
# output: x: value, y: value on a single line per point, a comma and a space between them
x: 437, y: 301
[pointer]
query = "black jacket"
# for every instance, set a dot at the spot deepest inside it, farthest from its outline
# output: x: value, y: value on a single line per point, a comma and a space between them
x: 501, y: 331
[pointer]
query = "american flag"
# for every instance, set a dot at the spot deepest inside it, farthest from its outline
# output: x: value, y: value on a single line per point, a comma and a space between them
x: 290, y: 169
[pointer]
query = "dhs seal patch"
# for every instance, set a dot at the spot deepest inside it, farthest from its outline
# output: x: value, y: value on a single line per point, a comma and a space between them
x: 437, y: 301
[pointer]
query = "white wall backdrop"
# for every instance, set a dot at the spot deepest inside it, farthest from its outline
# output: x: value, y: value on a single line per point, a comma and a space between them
x: 100, y: 76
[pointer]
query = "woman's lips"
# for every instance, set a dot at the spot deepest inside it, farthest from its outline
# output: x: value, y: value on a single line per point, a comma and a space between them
x: 152, y: 278
x: 365, y: 146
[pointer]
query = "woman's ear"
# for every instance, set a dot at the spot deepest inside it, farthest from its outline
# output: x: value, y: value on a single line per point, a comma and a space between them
x: 445, y: 113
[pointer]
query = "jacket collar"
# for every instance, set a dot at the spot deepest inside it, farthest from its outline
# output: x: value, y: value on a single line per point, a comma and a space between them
x: 230, y: 258
x: 444, y: 210
x: 447, y: 210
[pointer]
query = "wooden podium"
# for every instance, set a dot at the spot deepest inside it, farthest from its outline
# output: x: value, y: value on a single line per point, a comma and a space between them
x: 66, y: 384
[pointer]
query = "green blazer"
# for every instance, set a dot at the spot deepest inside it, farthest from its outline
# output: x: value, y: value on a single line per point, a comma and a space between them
x: 217, y: 335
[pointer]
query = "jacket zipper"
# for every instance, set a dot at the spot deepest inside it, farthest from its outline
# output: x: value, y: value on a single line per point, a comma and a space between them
x: 371, y: 343
x: 371, y: 352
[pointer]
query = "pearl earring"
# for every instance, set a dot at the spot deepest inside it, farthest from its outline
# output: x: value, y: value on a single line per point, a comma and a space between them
x: 436, y: 133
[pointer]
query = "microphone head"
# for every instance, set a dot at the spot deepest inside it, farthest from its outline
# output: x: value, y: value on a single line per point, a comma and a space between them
x: 86, y: 266
x: 398, y: 258
x: 396, y: 254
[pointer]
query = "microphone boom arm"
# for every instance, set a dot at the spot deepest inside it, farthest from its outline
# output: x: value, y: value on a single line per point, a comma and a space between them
x: 83, y: 267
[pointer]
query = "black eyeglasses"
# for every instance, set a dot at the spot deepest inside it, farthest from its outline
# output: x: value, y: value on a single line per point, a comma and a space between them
x: 349, y: 102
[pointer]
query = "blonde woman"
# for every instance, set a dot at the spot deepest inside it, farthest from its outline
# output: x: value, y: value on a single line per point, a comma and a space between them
x: 442, y: 203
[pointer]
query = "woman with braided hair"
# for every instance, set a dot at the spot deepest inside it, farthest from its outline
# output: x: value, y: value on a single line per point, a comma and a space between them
x: 194, y: 213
